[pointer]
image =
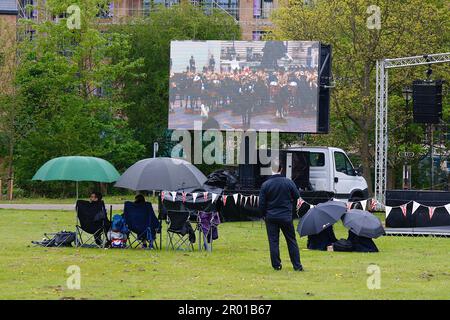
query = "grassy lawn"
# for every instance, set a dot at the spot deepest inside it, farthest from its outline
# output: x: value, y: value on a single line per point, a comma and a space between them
x: 239, y: 268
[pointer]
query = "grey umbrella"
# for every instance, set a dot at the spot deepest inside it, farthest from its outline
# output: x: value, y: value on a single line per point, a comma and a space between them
x: 363, y: 223
x: 161, y: 174
x: 320, y: 217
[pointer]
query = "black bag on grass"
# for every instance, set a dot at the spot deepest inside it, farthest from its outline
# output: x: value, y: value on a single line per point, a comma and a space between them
x: 60, y: 239
x: 343, y: 245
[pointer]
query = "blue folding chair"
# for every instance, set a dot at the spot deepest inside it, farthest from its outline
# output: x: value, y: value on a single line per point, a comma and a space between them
x: 142, y: 222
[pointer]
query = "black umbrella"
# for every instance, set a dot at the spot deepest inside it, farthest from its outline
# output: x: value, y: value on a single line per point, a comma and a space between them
x: 161, y: 174
x: 321, y: 217
x: 363, y: 223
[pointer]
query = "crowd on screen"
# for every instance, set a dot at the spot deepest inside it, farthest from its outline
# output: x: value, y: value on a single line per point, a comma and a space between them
x: 245, y: 91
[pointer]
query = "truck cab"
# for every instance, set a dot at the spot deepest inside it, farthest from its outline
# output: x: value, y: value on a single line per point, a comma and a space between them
x: 330, y: 170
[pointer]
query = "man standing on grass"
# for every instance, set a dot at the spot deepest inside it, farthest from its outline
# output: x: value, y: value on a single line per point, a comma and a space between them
x: 276, y: 200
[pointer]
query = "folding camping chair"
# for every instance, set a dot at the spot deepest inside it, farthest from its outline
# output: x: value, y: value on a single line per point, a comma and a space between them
x: 142, y: 222
x: 178, y: 230
x: 91, y: 220
x: 207, y: 223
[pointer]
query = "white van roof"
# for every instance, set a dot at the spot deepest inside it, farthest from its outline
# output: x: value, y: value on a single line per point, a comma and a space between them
x: 312, y: 148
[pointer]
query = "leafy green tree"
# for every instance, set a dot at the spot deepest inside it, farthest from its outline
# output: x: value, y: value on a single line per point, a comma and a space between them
x: 407, y: 28
x: 9, y: 99
x: 147, y: 111
x: 71, y: 84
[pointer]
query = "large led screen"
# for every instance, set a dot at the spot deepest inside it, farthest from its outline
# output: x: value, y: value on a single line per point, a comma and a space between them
x: 229, y: 85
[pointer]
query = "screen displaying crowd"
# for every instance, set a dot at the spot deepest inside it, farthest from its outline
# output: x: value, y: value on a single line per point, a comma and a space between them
x: 260, y: 85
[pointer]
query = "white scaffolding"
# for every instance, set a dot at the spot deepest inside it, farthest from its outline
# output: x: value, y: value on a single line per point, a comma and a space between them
x: 382, y: 97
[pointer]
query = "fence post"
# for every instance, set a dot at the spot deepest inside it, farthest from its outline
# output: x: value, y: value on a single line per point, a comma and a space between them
x: 11, y: 187
x: 1, y: 189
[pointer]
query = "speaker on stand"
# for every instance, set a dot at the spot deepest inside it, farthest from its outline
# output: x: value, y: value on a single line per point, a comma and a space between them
x: 427, y: 101
x: 427, y: 109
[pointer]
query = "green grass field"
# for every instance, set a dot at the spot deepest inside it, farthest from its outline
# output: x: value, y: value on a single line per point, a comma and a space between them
x: 238, y: 268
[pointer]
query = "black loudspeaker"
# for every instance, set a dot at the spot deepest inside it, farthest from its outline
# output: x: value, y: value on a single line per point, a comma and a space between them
x: 249, y: 175
x: 427, y: 101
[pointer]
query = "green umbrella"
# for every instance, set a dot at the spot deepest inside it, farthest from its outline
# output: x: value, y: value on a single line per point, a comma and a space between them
x: 77, y: 169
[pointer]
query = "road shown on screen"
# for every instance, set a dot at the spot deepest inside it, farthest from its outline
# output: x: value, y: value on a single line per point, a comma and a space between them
x: 229, y: 85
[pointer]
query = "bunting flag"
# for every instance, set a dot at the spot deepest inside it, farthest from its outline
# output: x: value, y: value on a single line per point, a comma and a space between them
x: 416, y: 206
x: 373, y: 204
x: 235, y: 198
x: 253, y: 200
x: 431, y: 211
x: 388, y: 210
x: 363, y: 204
x: 403, y: 207
x: 300, y: 202
x: 447, y: 207
x: 224, y: 199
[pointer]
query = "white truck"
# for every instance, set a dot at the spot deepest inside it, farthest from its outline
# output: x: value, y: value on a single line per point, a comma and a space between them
x: 330, y: 170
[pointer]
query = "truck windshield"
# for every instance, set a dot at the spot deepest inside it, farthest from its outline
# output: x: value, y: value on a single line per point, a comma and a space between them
x: 343, y: 164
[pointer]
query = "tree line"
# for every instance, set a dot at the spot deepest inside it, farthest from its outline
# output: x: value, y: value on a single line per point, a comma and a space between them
x: 102, y: 90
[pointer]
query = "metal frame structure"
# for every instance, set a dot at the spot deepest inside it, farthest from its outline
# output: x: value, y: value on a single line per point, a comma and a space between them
x: 382, y: 97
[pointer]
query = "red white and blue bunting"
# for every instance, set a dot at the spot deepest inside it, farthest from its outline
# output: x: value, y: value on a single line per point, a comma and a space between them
x: 415, y: 206
x: 253, y: 201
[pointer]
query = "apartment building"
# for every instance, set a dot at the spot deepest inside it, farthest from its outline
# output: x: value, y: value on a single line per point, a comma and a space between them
x: 8, y: 23
x: 252, y: 15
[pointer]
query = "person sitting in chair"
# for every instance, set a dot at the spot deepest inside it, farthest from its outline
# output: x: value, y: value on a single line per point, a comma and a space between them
x: 101, y: 215
x: 140, y: 199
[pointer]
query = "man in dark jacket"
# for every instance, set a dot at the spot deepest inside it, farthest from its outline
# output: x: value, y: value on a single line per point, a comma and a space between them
x: 276, y: 200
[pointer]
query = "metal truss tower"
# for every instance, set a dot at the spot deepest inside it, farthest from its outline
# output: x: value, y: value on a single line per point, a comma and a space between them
x: 382, y: 97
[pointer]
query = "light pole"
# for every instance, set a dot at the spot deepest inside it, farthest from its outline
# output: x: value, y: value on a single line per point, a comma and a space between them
x: 407, y: 95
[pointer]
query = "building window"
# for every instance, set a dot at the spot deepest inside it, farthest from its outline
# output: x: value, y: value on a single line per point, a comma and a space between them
x: 166, y: 3
x: 106, y: 11
x: 258, y: 35
x: 262, y: 9
x: 29, y: 10
x: 230, y: 6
